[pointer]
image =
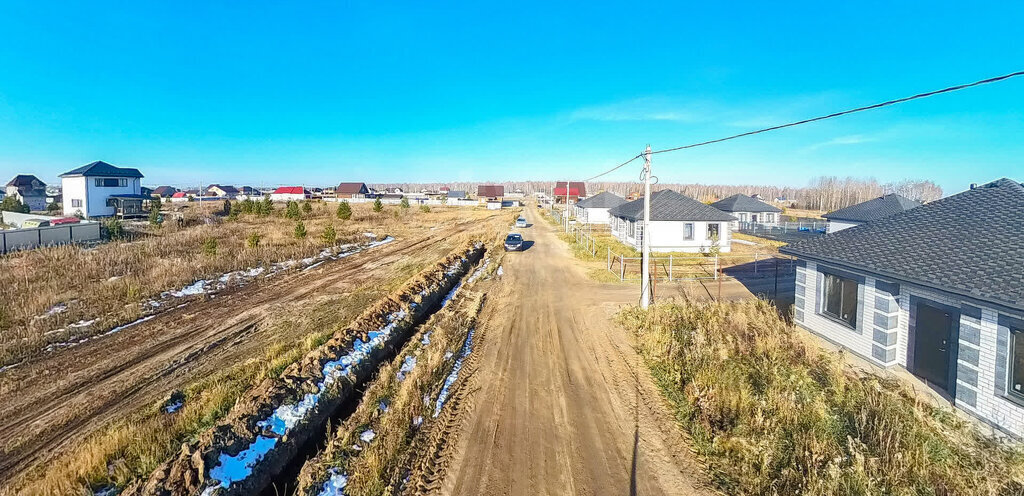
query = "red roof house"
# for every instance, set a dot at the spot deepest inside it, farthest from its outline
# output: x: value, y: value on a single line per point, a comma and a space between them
x: 576, y: 190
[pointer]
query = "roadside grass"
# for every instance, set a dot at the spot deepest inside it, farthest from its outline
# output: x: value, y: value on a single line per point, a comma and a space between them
x: 762, y: 242
x: 107, y: 284
x: 771, y: 414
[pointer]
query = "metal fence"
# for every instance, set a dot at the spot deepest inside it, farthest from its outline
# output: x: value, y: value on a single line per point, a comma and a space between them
x: 26, y: 239
x: 672, y: 267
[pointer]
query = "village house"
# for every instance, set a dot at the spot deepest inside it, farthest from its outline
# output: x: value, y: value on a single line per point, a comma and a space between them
x: 748, y: 211
x: 594, y: 210
x: 678, y: 223
x: 248, y: 193
x: 222, y: 191
x: 164, y: 191
x: 103, y: 190
x: 576, y: 189
x: 29, y: 190
x: 937, y: 290
x: 490, y: 192
x: 869, y: 211
x: 351, y: 190
x: 290, y: 193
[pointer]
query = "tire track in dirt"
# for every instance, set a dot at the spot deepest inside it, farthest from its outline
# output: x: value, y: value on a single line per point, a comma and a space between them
x: 51, y: 403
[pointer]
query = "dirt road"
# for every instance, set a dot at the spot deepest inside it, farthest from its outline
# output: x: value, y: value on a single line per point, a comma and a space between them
x: 51, y: 403
x: 559, y: 403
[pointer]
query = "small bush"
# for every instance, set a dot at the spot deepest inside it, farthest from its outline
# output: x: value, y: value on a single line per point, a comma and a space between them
x: 307, y: 207
x: 329, y: 236
x: 53, y: 207
x: 266, y: 207
x: 210, y: 246
x: 300, y: 230
x: 115, y: 230
x: 425, y: 209
x: 226, y: 208
x: 12, y: 204
x: 344, y: 211
x: 253, y: 241
x: 154, y: 216
x: 378, y: 205
x: 404, y: 204
x: 292, y: 211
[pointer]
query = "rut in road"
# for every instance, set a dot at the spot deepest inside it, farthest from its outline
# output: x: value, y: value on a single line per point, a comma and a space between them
x: 559, y: 401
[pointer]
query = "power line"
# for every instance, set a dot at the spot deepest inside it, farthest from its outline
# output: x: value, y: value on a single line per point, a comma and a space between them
x: 837, y: 114
x: 613, y: 169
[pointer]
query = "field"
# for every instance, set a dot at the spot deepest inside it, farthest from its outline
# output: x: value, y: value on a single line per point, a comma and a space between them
x: 95, y: 407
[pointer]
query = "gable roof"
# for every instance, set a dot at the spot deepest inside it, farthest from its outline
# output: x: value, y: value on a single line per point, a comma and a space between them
x: 165, y: 191
x: 457, y: 193
x: 351, y: 188
x: 490, y: 190
x: 249, y: 190
x: 291, y: 190
x: 971, y: 244
x: 231, y: 190
x: 179, y: 194
x: 26, y: 181
x: 576, y: 188
x: 670, y: 205
x: 603, y: 199
x: 101, y: 168
x: 872, y: 210
x: 743, y: 203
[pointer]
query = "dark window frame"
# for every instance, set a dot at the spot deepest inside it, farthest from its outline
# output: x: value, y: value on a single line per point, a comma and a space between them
x: 688, y: 236
x: 1011, y: 394
x: 718, y: 231
x: 843, y: 283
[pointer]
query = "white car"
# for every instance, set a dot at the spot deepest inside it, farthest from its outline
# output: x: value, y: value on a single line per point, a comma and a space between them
x: 521, y: 222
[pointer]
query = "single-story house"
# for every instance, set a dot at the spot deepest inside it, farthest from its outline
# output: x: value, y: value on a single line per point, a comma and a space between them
x: 576, y: 190
x: 486, y: 192
x: 444, y: 189
x: 748, y: 211
x: 594, y: 210
x: 222, y: 191
x: 29, y: 190
x: 453, y: 194
x: 102, y: 190
x: 290, y: 193
x: 937, y: 289
x: 181, y: 196
x: 249, y: 193
x: 351, y: 190
x: 678, y: 223
x: 869, y: 211
x: 165, y: 191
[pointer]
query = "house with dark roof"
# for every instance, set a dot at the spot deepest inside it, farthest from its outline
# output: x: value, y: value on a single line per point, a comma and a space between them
x: 594, y: 209
x: 748, y: 211
x: 351, y: 190
x: 222, y: 191
x: 869, y: 211
x: 165, y: 191
x: 485, y: 192
x: 678, y: 223
x: 29, y: 190
x: 99, y: 189
x: 571, y: 190
x: 937, y: 289
x: 249, y: 193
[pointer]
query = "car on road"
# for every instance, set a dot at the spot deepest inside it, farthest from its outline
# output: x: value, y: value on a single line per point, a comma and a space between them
x: 521, y: 221
x: 513, y: 242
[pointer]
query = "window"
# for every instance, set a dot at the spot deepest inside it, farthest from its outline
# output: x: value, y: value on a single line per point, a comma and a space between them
x: 639, y: 232
x: 713, y: 231
x: 840, y: 299
x: 769, y: 218
x: 76, y: 203
x: 110, y: 182
x: 631, y: 229
x: 743, y: 216
x: 688, y: 231
x: 1016, y: 387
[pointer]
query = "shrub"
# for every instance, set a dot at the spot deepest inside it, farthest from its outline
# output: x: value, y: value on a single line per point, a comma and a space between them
x: 292, y: 211
x: 329, y: 236
x: 253, y: 241
x: 236, y: 210
x: 154, y: 216
x: 247, y: 206
x: 115, y: 230
x: 266, y: 206
x: 210, y: 246
x: 53, y: 207
x: 12, y: 204
x: 344, y: 211
x: 404, y: 204
x: 378, y: 205
x: 226, y: 208
x: 300, y: 230
x: 307, y: 207
x: 425, y: 209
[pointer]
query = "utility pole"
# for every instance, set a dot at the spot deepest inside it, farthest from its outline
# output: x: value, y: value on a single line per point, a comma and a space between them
x: 645, y: 269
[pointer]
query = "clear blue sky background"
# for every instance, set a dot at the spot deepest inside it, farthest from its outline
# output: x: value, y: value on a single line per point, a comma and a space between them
x: 317, y: 93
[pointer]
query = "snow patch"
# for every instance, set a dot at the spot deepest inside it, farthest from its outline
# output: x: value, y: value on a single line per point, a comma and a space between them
x: 442, y: 397
x: 239, y: 467
x: 335, y: 485
x: 367, y: 436
x: 407, y: 366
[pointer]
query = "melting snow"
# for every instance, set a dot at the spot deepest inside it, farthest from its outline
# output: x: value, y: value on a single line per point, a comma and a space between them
x: 451, y: 294
x: 367, y: 435
x: 426, y: 338
x: 335, y: 485
x: 239, y: 467
x: 442, y: 397
x: 173, y: 407
x: 198, y: 287
x: 407, y: 366
x: 501, y: 270
x: 417, y: 421
x: 83, y: 323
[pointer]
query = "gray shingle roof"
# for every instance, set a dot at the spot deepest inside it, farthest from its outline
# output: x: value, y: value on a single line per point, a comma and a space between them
x: 743, y: 203
x: 670, y: 205
x: 100, y: 168
x: 872, y: 210
x: 971, y: 244
x: 601, y: 200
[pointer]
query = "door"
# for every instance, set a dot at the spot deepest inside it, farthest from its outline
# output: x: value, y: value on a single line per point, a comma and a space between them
x: 933, y: 344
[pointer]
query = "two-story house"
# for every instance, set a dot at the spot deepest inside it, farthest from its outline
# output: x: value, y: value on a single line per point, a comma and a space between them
x: 29, y: 190
x: 102, y: 190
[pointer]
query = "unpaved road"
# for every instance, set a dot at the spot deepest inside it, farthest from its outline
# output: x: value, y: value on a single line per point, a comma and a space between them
x: 559, y: 403
x: 49, y: 404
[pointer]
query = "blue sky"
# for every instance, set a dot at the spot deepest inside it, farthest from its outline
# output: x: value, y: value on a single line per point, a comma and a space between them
x: 317, y: 93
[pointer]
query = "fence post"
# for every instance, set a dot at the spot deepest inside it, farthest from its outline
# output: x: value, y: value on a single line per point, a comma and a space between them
x: 622, y: 269
x: 670, y: 267
x: 609, y: 258
x: 755, y: 263
x: 716, y: 267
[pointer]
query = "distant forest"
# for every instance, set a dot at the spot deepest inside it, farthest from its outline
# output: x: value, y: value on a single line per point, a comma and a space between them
x: 822, y: 193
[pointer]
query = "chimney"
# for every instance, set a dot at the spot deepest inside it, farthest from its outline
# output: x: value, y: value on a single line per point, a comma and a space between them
x: 974, y: 185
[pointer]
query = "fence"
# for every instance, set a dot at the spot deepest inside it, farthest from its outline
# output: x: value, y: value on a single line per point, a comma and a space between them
x: 26, y: 239
x: 697, y: 267
x: 806, y: 227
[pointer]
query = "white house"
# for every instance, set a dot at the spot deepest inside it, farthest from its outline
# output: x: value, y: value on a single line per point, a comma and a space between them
x: 594, y: 210
x: 29, y: 190
x: 678, y: 223
x: 249, y: 193
x: 936, y: 290
x: 748, y: 211
x: 102, y: 190
x: 869, y: 211
x: 222, y: 191
x: 290, y: 193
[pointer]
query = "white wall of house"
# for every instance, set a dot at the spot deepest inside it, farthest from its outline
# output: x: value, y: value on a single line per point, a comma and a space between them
x: 80, y: 194
x: 668, y: 236
x: 759, y: 218
x: 592, y: 215
x: 282, y: 197
x: 35, y: 203
x: 882, y: 336
x: 839, y: 225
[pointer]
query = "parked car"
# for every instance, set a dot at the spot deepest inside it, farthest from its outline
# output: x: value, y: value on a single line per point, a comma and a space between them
x: 521, y: 221
x: 513, y: 242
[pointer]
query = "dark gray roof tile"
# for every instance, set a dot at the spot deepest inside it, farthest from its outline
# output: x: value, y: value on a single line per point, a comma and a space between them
x: 872, y: 210
x: 743, y: 203
x: 670, y: 205
x: 603, y: 199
